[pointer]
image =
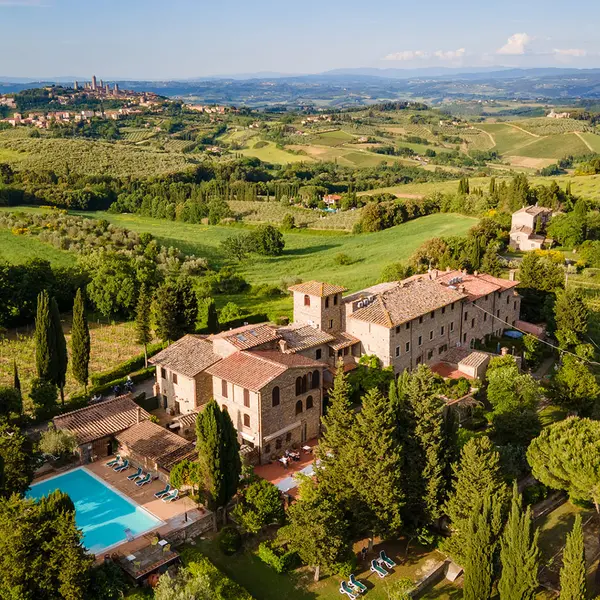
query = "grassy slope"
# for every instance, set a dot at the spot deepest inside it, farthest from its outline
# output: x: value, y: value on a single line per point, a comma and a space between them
x: 19, y: 248
x: 507, y: 138
x: 272, y: 154
x: 555, y: 146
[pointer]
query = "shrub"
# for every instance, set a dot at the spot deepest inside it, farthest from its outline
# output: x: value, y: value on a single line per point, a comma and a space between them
x: 230, y: 540
x: 346, y: 568
x: 535, y: 493
x: 343, y: 259
x: 57, y: 442
x: 280, y: 561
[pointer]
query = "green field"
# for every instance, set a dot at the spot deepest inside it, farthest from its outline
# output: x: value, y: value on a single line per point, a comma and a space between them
x: 20, y: 248
x: 272, y: 154
x: 555, y: 146
x: 593, y: 139
x: 587, y: 186
x: 333, y: 138
x: 508, y: 138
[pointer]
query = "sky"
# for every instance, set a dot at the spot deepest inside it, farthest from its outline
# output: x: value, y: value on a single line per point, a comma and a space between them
x: 178, y: 39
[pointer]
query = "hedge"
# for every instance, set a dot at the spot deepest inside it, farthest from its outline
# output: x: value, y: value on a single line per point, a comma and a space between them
x: 280, y: 562
x: 125, y: 368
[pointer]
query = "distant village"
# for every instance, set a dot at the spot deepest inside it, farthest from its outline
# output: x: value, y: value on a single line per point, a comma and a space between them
x: 137, y: 101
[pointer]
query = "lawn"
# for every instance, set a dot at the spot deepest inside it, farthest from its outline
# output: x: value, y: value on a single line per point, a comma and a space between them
x: 264, y: 583
x: 20, y: 248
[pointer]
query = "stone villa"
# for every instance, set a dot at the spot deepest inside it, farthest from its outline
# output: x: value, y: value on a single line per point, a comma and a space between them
x: 271, y: 379
x: 528, y: 229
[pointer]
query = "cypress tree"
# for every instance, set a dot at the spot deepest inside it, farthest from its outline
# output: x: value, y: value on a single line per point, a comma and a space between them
x: 572, y: 574
x: 480, y: 543
x: 80, y: 341
x: 232, y: 463
x: 16, y: 380
x: 142, y: 321
x: 212, y: 318
x: 60, y: 350
x: 218, y: 450
x: 44, y: 340
x: 165, y: 312
x: 478, y: 473
x: 519, y: 554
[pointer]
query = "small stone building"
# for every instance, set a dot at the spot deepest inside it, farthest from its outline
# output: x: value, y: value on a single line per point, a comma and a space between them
x: 153, y: 448
x: 97, y: 426
x: 528, y: 229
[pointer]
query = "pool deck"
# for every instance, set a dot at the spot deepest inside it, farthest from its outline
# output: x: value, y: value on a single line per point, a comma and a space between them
x: 174, y: 515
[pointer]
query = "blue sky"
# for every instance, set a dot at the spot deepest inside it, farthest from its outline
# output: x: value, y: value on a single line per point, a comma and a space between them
x: 184, y: 38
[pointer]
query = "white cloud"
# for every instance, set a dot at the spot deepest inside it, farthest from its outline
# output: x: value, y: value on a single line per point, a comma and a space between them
x: 570, y: 52
x: 516, y: 44
x: 450, y: 54
x: 406, y: 55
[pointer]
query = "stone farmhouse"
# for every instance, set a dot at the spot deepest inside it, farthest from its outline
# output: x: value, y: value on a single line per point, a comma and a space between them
x: 272, y: 379
x: 528, y: 228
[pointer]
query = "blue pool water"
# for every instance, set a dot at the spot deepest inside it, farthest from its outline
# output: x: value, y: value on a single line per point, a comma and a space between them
x: 100, y: 512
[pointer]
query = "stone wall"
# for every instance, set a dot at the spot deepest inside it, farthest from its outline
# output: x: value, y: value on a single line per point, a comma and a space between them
x: 193, y: 529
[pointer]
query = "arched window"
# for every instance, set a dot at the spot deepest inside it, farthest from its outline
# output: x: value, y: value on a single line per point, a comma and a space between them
x: 309, y: 402
x: 316, y: 379
x: 298, y: 386
x: 304, y: 384
x: 275, y: 396
x: 299, y: 407
x: 306, y: 300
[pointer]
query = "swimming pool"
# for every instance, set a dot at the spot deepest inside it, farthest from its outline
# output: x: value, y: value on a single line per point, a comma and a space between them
x: 102, y: 513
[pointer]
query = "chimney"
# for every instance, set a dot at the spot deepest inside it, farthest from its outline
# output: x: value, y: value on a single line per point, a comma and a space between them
x: 475, y: 273
x: 504, y: 351
x: 447, y: 269
x: 511, y: 275
x: 461, y: 289
x: 283, y: 346
x: 434, y: 274
x: 139, y: 414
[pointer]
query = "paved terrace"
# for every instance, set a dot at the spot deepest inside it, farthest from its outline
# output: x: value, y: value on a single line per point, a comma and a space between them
x: 283, y: 477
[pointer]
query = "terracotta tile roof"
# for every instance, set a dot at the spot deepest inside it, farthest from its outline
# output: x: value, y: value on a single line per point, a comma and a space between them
x: 343, y: 340
x: 188, y: 421
x: 370, y: 291
x: 254, y: 370
x: 249, y: 336
x: 189, y: 356
x: 317, y: 288
x: 154, y: 442
x: 455, y: 355
x: 448, y: 371
x: 475, y: 286
x: 407, y: 300
x: 521, y: 229
x: 100, y: 420
x: 538, y: 331
x: 300, y: 337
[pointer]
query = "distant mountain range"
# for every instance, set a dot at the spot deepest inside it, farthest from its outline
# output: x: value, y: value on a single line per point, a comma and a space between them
x: 360, y: 86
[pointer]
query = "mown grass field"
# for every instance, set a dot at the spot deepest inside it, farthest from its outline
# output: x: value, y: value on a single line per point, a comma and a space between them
x: 555, y: 146
x: 508, y: 138
x: 272, y: 154
x: 309, y: 254
x: 19, y: 248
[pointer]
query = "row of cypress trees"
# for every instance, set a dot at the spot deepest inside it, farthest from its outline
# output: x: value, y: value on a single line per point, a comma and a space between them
x: 51, y: 357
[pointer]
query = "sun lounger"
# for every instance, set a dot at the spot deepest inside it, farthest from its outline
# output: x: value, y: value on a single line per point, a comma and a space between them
x: 172, y: 495
x: 385, y: 560
x: 122, y: 467
x: 145, y: 479
x: 360, y: 587
x: 344, y: 589
x: 375, y: 568
x: 163, y: 492
x: 114, y: 462
x: 135, y: 475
